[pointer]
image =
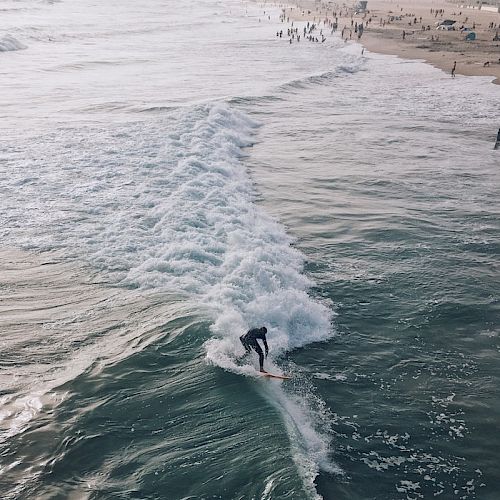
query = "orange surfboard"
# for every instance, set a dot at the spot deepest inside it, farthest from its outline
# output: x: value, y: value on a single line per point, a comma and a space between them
x: 271, y: 375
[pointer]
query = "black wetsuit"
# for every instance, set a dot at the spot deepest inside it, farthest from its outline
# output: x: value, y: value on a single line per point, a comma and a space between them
x: 249, y: 341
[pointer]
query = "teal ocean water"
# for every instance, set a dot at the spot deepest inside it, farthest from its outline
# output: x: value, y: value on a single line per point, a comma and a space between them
x: 173, y: 175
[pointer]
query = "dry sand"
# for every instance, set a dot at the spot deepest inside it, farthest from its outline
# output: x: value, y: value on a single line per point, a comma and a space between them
x: 439, y: 48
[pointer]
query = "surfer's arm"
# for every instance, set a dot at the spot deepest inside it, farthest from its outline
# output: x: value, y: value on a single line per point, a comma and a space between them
x: 265, y: 346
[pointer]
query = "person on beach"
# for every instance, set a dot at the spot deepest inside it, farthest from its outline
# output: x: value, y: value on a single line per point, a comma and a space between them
x: 249, y: 341
x: 453, y: 69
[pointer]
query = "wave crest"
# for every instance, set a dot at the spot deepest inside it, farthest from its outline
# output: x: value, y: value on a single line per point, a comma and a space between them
x: 8, y: 43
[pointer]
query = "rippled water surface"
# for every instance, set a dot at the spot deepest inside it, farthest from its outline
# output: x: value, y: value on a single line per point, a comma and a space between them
x: 172, y: 175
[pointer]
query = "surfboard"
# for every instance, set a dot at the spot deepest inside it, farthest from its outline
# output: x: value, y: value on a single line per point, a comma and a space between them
x: 272, y: 375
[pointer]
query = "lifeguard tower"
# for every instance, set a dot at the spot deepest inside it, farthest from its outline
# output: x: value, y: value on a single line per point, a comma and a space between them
x: 361, y: 6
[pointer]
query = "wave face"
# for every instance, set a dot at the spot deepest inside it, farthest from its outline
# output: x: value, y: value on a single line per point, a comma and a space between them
x: 9, y: 43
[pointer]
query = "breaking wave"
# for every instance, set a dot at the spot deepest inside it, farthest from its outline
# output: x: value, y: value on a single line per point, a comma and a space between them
x: 8, y: 43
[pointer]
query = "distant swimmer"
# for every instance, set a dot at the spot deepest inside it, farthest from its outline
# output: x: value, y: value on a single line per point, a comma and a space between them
x: 249, y: 341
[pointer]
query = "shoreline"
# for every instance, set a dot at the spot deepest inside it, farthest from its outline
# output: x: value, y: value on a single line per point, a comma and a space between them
x: 407, y: 29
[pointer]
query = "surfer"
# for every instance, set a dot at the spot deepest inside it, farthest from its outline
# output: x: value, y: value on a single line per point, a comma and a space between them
x: 249, y: 341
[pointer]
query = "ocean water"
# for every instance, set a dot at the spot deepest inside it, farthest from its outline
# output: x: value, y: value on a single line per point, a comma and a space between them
x: 172, y: 174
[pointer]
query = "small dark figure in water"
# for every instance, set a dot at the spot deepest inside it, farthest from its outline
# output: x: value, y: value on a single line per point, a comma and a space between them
x: 453, y: 69
x: 249, y: 341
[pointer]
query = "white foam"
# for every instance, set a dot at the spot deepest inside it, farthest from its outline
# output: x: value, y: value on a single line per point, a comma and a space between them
x: 17, y: 412
x: 208, y: 239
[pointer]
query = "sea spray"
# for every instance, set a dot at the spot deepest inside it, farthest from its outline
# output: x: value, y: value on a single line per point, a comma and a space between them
x: 308, y: 422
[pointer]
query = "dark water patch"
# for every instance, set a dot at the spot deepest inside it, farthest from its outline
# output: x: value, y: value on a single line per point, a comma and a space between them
x: 258, y: 99
x: 380, y: 443
x: 397, y: 217
x: 155, y: 109
x: 162, y: 420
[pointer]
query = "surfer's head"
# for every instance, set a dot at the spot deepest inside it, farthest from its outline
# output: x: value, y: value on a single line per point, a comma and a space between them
x: 263, y: 329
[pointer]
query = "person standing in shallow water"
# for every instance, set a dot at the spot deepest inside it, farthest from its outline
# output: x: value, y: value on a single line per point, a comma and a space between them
x: 453, y: 69
x: 249, y: 341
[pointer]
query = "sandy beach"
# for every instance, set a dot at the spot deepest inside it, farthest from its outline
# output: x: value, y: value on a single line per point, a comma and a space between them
x: 408, y: 29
